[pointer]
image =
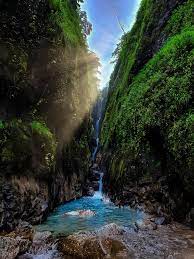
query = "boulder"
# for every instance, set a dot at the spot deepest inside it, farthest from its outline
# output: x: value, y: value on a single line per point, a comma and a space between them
x: 99, y: 244
x: 93, y: 247
x: 90, y: 191
x: 160, y: 221
x: 42, y: 236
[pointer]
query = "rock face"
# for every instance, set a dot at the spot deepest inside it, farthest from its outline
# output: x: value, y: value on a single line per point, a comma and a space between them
x: 29, y: 199
x: 146, y: 134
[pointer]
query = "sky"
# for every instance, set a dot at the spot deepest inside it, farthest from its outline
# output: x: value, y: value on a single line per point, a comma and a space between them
x: 106, y: 30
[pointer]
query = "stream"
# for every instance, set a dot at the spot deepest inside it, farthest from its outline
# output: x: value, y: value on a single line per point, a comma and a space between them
x: 65, y: 220
x: 71, y: 218
x: 60, y: 223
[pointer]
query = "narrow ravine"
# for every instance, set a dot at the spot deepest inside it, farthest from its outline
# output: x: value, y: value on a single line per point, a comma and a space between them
x: 96, y: 129
x: 93, y: 212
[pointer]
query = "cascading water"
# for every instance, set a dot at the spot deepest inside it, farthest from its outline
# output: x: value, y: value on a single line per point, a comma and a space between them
x: 68, y: 218
x: 100, y: 183
x: 97, y: 129
x: 98, y: 194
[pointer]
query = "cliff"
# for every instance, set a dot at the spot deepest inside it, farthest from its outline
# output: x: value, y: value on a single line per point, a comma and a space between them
x: 45, y: 102
x: 147, y: 131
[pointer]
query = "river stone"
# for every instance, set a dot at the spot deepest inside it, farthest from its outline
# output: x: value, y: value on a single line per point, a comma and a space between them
x: 10, y: 248
x: 97, y: 244
x: 42, y: 236
x: 93, y: 247
x: 90, y: 191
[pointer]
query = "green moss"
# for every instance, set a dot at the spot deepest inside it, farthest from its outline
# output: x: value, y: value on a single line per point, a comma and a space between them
x: 155, y: 99
x: 13, y: 60
x: 181, y: 19
x: 41, y: 129
x: 68, y: 20
x: 160, y: 94
x: 136, y: 42
x: 27, y: 147
x: 77, y: 156
x: 1, y: 124
x: 181, y: 139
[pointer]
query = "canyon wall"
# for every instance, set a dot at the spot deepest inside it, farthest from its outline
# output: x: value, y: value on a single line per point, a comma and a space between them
x: 147, y: 131
x: 45, y: 100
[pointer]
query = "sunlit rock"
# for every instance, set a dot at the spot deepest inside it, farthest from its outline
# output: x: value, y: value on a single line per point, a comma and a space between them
x: 81, y: 213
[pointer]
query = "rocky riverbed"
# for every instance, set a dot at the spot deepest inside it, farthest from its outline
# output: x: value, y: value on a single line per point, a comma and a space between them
x: 111, y: 241
x: 148, y: 238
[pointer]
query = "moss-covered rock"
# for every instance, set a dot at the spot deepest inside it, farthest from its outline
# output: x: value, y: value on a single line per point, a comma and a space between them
x: 27, y: 148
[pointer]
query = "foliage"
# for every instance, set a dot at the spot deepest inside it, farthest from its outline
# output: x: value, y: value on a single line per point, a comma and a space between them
x: 27, y: 146
x: 160, y: 96
x: 181, y: 19
x: 68, y: 20
x: 14, y: 61
x: 47, y: 74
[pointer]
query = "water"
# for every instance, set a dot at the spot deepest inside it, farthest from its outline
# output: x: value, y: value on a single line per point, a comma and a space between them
x: 106, y: 213
x: 95, y: 150
x: 65, y: 220
x: 97, y: 128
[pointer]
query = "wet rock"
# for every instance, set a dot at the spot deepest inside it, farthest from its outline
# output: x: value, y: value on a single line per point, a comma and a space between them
x: 90, y: 191
x: 95, y: 185
x: 10, y: 248
x: 43, y: 246
x: 160, y: 221
x: 94, y: 176
x: 81, y: 213
x: 95, y: 166
x: 25, y: 230
x: 27, y: 198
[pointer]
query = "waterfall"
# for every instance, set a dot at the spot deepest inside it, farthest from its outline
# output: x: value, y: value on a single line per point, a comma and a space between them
x: 100, y: 183
x: 98, y: 194
x: 97, y: 129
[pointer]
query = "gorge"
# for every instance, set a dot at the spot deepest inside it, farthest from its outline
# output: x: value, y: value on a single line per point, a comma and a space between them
x: 88, y: 172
